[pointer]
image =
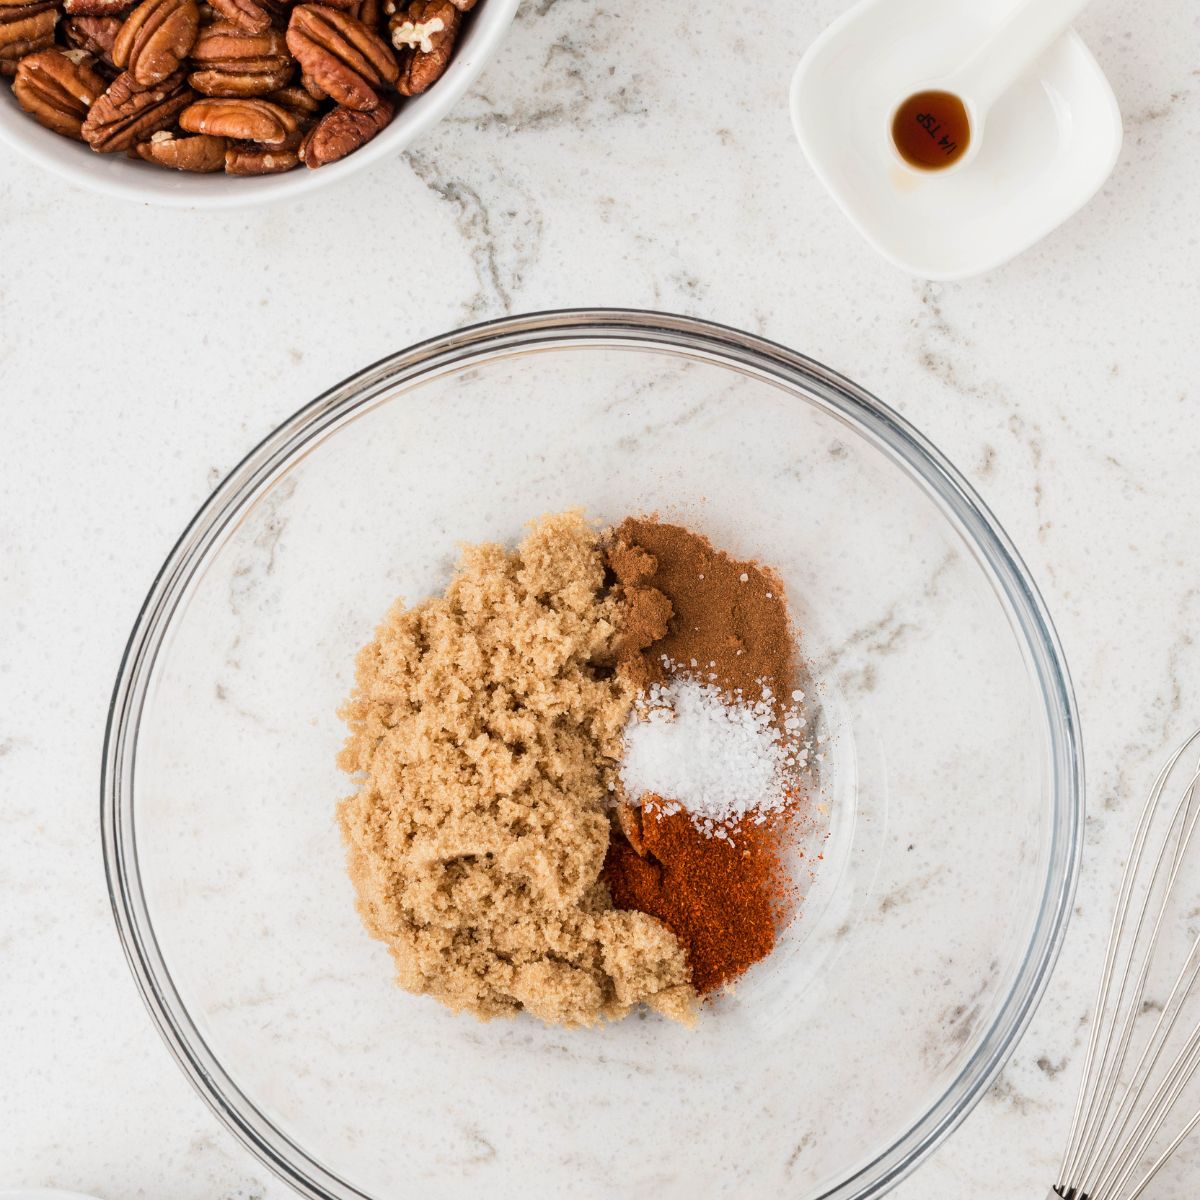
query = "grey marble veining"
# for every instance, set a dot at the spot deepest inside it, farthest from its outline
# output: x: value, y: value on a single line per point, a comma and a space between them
x: 609, y: 155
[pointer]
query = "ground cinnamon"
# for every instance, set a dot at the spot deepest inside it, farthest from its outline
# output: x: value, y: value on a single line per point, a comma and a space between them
x: 722, y: 611
x: 724, y: 898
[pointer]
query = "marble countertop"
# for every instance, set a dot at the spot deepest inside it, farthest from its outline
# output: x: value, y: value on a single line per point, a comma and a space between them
x: 606, y: 157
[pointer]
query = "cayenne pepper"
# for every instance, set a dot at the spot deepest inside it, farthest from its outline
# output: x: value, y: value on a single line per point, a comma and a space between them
x: 725, y: 898
x: 722, y: 898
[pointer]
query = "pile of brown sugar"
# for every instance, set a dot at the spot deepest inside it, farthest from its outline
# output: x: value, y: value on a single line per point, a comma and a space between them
x: 485, y: 732
x: 726, y: 622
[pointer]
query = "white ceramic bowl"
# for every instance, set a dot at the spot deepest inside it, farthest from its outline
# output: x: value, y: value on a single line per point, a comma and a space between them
x: 117, y: 175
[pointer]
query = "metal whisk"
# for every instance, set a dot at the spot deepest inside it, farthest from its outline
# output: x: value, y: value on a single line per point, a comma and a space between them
x: 1133, y: 1077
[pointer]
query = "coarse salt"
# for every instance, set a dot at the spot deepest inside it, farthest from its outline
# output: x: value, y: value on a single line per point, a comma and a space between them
x: 688, y: 746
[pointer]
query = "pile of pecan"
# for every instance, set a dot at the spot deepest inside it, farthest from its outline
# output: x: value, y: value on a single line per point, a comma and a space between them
x: 249, y: 87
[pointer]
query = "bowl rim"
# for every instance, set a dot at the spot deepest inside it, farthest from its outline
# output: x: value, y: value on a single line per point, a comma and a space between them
x: 632, y: 328
x: 113, y: 175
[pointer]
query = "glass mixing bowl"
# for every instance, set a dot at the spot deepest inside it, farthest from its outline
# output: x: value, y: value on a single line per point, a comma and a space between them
x: 950, y: 792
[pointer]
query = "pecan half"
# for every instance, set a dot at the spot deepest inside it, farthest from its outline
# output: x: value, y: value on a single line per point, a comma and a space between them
x: 309, y: 84
x: 231, y: 62
x: 57, y: 91
x: 95, y: 35
x: 156, y: 38
x: 343, y: 131
x: 341, y: 55
x: 201, y: 154
x: 248, y: 119
x: 245, y: 14
x: 95, y: 8
x: 245, y: 158
x: 297, y: 100
x: 424, y: 33
x: 369, y: 12
x: 24, y: 29
x: 128, y: 113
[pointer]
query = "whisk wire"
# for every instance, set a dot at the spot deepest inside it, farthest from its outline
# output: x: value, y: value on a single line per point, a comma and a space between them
x: 1160, y: 1162
x: 1085, y: 1101
x: 1087, y: 1087
x: 1150, y: 1056
x: 1135, y: 1151
x: 1106, y: 1145
x: 1161, y: 1103
x: 1103, y: 1141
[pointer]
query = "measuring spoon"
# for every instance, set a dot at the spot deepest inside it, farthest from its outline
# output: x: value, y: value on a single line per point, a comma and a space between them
x: 939, y: 125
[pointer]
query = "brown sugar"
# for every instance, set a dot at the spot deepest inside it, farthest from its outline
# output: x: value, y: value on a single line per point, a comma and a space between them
x: 485, y: 732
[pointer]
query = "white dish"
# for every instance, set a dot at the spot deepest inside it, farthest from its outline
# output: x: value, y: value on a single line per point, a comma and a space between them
x: 1050, y: 142
x: 117, y: 175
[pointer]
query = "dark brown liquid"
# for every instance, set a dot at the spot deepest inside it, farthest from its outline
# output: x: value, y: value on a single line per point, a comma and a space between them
x: 931, y: 130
